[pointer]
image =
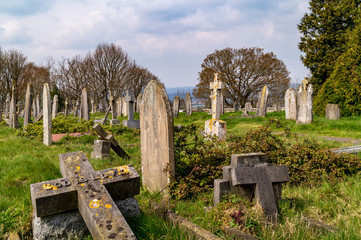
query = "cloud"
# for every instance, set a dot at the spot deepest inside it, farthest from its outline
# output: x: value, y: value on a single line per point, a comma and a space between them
x: 14, y: 32
x: 24, y: 7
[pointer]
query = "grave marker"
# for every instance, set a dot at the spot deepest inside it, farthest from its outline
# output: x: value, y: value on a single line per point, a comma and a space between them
x: 119, y: 106
x: 84, y: 108
x: 332, y: 111
x: 101, y: 149
x: 7, y: 106
x: 131, y: 123
x: 188, y: 103
x: 114, y: 120
x: 46, y: 115
x: 124, y: 107
x: 176, y: 103
x: 76, y: 108
x: 28, y: 101
x: 13, y: 116
x: 139, y: 100
x: 38, y: 105
x: 55, y: 107
x: 157, y: 143
x: 290, y: 104
x: 34, y: 110
x: 304, y: 103
x: 247, y: 108
x: 66, y: 111
x: 262, y: 102
x: 236, y: 106
x: 92, y: 192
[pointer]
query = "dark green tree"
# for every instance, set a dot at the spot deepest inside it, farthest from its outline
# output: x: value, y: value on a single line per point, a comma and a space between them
x: 324, y: 36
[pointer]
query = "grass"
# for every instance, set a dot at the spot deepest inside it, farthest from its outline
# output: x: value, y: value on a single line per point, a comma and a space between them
x: 25, y: 161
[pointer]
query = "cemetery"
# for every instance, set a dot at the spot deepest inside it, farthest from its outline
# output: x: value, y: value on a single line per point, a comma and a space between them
x: 265, y: 177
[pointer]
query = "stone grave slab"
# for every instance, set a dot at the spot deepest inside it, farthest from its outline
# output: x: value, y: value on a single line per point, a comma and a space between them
x: 91, y: 192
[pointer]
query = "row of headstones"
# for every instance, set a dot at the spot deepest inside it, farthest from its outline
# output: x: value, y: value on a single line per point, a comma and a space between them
x: 188, y: 105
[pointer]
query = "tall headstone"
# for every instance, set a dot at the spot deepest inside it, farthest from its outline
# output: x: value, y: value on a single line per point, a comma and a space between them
x: 291, y: 104
x: 262, y: 102
x: 176, y: 103
x: 46, y: 116
x: 215, y: 126
x: 7, y: 106
x: 332, y: 111
x: 13, y: 116
x: 114, y: 120
x: 38, y: 105
x: 124, y: 107
x: 188, y: 103
x: 222, y: 102
x: 92, y: 106
x: 55, y: 107
x: 131, y: 123
x: 66, y: 111
x: 119, y: 106
x: 304, y: 103
x: 236, y: 106
x: 33, y: 108
x: 84, y: 108
x: 139, y: 100
x: 28, y: 101
x: 1, y: 114
x: 247, y: 108
x: 157, y: 143
x: 76, y: 108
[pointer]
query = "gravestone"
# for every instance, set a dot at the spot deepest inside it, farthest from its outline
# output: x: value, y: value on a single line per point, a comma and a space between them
x: 66, y: 111
x: 92, y: 106
x: 75, y: 107
x: 262, y: 102
x: 13, y: 115
x: 176, y: 103
x: 157, y: 143
x: 131, y: 123
x: 119, y: 106
x: 114, y: 120
x: 236, y: 106
x: 46, y: 116
x: 7, y: 106
x: 28, y: 101
x: 84, y: 108
x: 332, y: 111
x: 1, y: 114
x: 103, y: 121
x: 304, y: 103
x: 214, y: 126
x: 290, y: 104
x: 277, y: 107
x: 38, y: 105
x: 101, y: 149
x: 33, y: 108
x: 103, y: 106
x: 55, y: 107
x: 250, y: 173
x: 91, y: 192
x: 124, y: 107
x: 139, y: 100
x: 247, y: 108
x: 188, y: 103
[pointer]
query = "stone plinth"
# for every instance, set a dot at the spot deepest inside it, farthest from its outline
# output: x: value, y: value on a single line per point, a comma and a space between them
x: 135, y: 124
x: 215, y: 127
x: 101, y: 149
x: 332, y: 111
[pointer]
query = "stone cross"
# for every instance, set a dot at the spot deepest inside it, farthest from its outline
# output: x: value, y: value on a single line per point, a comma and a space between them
x: 291, y: 104
x: 92, y: 192
x: 250, y: 173
x: 131, y: 123
x: 216, y: 87
x: 28, y: 101
x: 304, y: 103
x: 332, y: 111
x: 157, y: 143
x: 46, y: 116
x: 55, y: 107
x: 114, y: 120
x: 66, y: 111
x: 84, y: 108
x: 262, y: 102
x: 188, y: 103
x: 176, y: 103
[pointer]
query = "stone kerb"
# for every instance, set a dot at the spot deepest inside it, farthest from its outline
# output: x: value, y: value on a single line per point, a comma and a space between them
x: 91, y: 192
x: 332, y: 111
x: 157, y: 143
x: 262, y: 102
x: 248, y: 174
x: 291, y: 104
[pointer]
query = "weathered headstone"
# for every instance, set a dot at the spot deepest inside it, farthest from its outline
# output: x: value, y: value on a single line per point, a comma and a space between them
x: 66, y: 111
x: 157, y: 143
x: 114, y: 120
x: 119, y: 106
x: 277, y: 107
x: 92, y: 192
x: 7, y: 106
x: 176, y: 103
x: 236, y: 106
x: 332, y: 111
x: 291, y: 104
x: 46, y: 115
x: 84, y: 108
x: 250, y: 173
x: 55, y: 107
x: 101, y: 149
x: 13, y: 115
x: 92, y: 106
x: 1, y: 113
x: 103, y: 106
x: 38, y: 105
x: 215, y: 126
x: 33, y: 108
x: 247, y: 108
x: 304, y: 103
x: 124, y: 107
x: 262, y: 102
x: 139, y: 100
x: 188, y: 103
x: 104, y: 120
x: 28, y: 101
x: 131, y: 123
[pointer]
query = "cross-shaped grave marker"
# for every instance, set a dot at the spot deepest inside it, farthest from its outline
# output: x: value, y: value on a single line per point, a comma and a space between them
x: 216, y: 87
x: 131, y: 123
x: 92, y: 192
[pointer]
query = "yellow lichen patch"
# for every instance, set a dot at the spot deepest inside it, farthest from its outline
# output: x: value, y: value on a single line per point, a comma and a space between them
x: 82, y: 184
x: 94, y: 203
x: 48, y: 186
x: 77, y: 167
x: 108, y: 205
x: 55, y: 188
x: 123, y: 170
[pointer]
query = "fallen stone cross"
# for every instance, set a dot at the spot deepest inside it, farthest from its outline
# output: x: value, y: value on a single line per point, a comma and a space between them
x: 40, y: 116
x: 250, y: 173
x: 92, y: 192
x: 114, y: 144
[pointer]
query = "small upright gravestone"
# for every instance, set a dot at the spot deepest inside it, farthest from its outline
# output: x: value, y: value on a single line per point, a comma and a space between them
x: 188, y: 103
x: 119, y: 106
x: 37, y: 105
x: 66, y: 111
x: 277, y: 107
x: 176, y: 104
x: 76, y: 107
x: 92, y: 192
x: 236, y: 106
x: 139, y: 100
x: 332, y: 111
x: 215, y: 126
x: 290, y: 104
x: 7, y: 106
x: 33, y: 108
x: 304, y: 103
x: 250, y: 173
x: 84, y: 108
x: 130, y: 123
x: 156, y: 134
x: 28, y: 101
x: 262, y: 102
x: 46, y: 116
x: 101, y: 149
x: 247, y: 108
x: 55, y: 107
x: 124, y: 107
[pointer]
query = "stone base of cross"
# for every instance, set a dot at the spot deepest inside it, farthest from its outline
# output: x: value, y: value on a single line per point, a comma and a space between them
x: 135, y: 124
x: 215, y: 127
x: 251, y: 176
x: 114, y: 122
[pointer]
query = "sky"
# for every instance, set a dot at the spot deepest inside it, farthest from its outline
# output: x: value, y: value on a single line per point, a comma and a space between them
x: 170, y: 38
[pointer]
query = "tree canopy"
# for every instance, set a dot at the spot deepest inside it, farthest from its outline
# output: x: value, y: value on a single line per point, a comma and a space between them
x: 245, y: 71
